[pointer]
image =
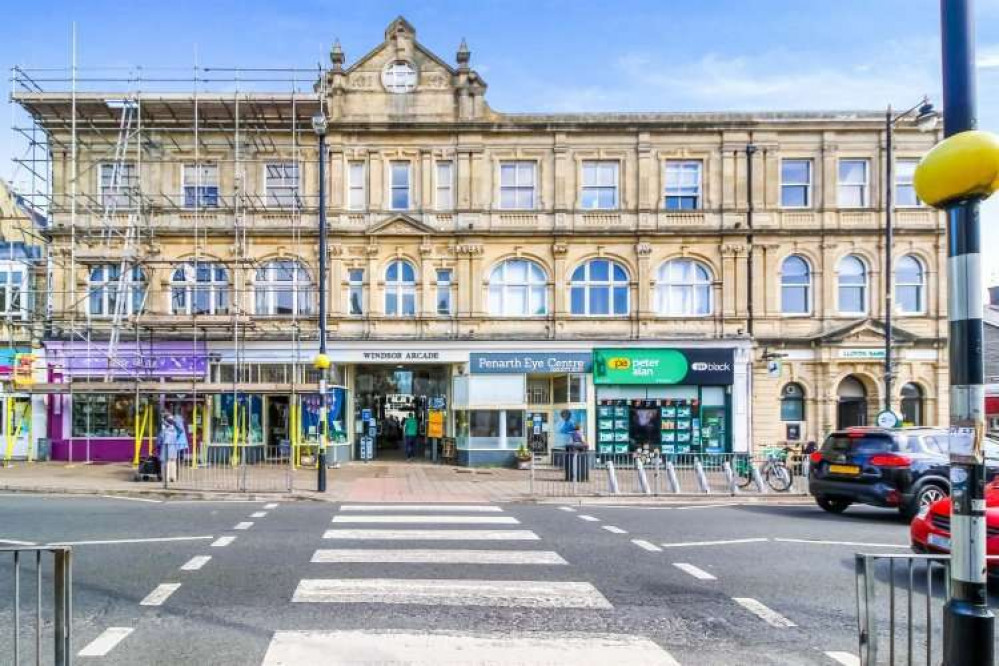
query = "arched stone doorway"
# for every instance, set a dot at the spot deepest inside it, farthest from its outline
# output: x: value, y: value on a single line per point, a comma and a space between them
x: 851, y: 407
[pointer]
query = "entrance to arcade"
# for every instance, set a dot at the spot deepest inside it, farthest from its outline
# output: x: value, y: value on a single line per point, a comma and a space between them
x: 393, y: 401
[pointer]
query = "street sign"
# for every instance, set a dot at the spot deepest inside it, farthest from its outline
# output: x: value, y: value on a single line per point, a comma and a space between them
x: 367, y: 448
x: 773, y: 367
x: 887, y: 419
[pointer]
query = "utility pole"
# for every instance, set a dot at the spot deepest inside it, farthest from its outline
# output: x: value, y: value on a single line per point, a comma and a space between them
x: 322, y: 362
x: 968, y: 624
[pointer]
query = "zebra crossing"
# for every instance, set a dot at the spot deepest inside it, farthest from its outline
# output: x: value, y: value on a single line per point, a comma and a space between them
x: 385, y: 537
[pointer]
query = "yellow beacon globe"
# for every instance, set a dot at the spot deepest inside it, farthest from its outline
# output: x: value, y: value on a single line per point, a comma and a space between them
x: 322, y: 362
x: 962, y: 166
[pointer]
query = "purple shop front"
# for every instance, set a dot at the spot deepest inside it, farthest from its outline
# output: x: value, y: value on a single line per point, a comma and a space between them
x: 101, y: 427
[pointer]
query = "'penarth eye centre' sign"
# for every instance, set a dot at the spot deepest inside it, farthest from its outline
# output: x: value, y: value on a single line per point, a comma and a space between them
x: 530, y: 363
x: 663, y: 366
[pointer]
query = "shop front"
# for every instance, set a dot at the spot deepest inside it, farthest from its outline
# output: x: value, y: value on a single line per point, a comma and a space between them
x: 111, y: 426
x: 670, y: 400
x: 22, y: 420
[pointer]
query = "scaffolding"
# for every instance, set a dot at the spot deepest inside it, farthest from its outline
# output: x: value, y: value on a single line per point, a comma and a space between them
x: 96, y: 152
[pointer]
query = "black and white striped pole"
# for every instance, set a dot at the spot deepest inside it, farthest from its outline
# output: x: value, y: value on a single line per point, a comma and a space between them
x: 955, y: 176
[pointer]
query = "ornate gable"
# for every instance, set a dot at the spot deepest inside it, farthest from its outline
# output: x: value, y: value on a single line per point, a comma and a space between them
x: 401, y: 225
x: 401, y: 80
x: 864, y: 332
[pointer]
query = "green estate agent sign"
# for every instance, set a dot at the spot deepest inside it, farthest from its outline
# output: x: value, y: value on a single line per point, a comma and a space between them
x: 663, y: 366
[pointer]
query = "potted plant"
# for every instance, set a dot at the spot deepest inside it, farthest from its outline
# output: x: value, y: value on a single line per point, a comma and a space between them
x: 524, y: 457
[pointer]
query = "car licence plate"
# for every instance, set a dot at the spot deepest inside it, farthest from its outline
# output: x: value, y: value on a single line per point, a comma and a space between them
x: 937, y: 541
x: 848, y: 470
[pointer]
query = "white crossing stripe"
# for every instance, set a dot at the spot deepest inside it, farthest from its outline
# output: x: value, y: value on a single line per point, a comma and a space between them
x: 272, y: 505
x: 15, y: 542
x: 437, y: 556
x: 104, y: 542
x: 196, y: 562
x: 435, y: 591
x: 222, y: 542
x: 445, y: 508
x: 696, y: 572
x: 433, y: 535
x: 614, y: 530
x: 567, y: 509
x: 589, y: 519
x: 387, y: 648
x: 844, y: 658
x: 726, y: 542
x: 651, y: 547
x: 258, y: 514
x: 106, y: 642
x: 160, y: 594
x: 245, y: 525
x: 429, y: 520
x: 768, y: 615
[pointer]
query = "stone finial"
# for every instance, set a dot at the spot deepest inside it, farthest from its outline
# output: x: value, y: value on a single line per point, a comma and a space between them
x: 336, y: 56
x: 464, y: 55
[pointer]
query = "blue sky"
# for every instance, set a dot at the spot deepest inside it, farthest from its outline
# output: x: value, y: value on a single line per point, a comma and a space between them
x: 555, y: 55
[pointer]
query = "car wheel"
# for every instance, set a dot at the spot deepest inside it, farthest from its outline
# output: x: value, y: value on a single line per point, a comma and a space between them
x: 833, y: 505
x: 926, y: 496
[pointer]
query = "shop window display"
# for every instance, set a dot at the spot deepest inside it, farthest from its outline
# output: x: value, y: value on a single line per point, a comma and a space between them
x: 249, y: 419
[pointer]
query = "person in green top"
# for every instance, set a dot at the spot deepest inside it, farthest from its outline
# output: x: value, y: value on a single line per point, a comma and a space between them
x: 409, y: 430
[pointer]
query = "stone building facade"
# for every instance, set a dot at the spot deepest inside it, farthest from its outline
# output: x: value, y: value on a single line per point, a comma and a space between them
x: 603, y: 250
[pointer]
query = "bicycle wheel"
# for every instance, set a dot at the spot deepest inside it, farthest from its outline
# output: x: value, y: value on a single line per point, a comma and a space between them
x: 778, y: 477
x: 743, y: 475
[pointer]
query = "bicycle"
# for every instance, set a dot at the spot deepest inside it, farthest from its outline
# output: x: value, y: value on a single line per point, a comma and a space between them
x: 742, y: 467
x: 775, y: 471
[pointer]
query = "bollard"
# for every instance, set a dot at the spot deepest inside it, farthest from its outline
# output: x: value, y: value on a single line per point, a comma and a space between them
x: 671, y: 480
x: 702, y: 478
x: 758, y: 480
x: 612, y: 478
x: 806, y: 467
x: 530, y: 481
x: 643, y: 480
x: 733, y: 487
x: 656, y: 472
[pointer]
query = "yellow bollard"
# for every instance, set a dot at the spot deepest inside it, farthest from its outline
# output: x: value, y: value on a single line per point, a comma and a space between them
x: 8, y: 419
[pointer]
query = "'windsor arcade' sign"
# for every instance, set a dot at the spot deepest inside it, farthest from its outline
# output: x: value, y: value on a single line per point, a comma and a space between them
x: 663, y: 366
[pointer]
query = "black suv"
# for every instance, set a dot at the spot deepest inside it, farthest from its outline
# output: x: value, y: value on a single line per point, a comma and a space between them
x: 904, y: 469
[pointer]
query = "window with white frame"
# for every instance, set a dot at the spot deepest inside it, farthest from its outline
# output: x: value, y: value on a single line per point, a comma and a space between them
x: 356, y: 187
x: 445, y: 283
x: 910, y: 285
x: 518, y: 183
x: 400, y: 289
x: 14, y: 289
x: 199, y: 288
x: 683, y: 287
x: 682, y: 185
x: 399, y: 77
x: 599, y: 287
x: 795, y: 286
x: 283, y: 287
x: 399, y: 173
x: 852, y: 285
x: 905, y: 191
x: 355, y: 291
x: 201, y: 185
x: 600, y: 185
x: 852, y: 190
x: 518, y: 288
x: 281, y: 184
x: 119, y: 185
x: 796, y: 183
x: 444, y: 186
x: 106, y: 286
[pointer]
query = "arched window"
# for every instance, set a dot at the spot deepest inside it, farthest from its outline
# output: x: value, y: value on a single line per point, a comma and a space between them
x: 792, y: 403
x: 283, y: 287
x: 852, y: 287
x: 199, y: 288
x: 518, y: 288
x: 910, y: 283
x: 599, y: 287
x: 795, y: 286
x: 683, y: 288
x: 400, y: 289
x: 105, y: 285
x: 14, y: 289
x: 912, y: 405
x: 851, y: 409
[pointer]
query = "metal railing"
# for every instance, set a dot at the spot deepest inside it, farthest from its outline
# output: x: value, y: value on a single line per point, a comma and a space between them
x: 900, y: 600
x: 60, y: 624
x: 565, y: 474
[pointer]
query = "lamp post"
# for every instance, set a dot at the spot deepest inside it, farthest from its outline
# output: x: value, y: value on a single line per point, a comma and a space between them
x: 926, y: 121
x: 322, y: 361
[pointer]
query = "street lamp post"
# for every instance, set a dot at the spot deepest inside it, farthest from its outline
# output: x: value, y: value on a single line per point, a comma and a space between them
x: 322, y: 361
x: 926, y: 121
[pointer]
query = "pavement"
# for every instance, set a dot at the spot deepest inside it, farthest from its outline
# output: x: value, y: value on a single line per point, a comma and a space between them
x: 306, y: 583
x: 351, y: 482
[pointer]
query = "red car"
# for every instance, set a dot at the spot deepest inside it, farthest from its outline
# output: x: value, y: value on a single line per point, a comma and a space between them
x: 930, y: 529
